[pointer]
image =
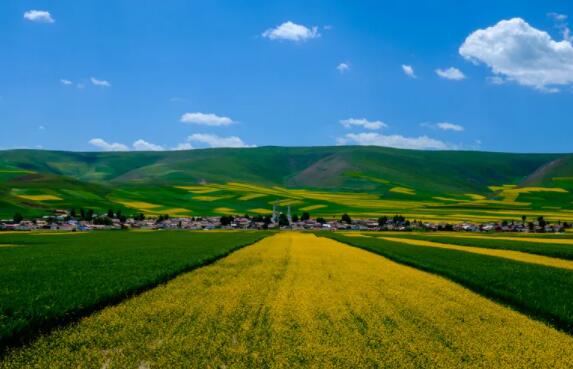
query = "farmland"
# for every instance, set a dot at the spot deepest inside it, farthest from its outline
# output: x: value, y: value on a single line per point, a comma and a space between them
x: 542, y: 291
x: 49, y: 279
x: 327, y: 181
x: 294, y: 300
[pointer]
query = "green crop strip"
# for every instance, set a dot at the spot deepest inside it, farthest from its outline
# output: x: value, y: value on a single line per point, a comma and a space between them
x: 56, y: 279
x: 545, y: 249
x: 542, y: 292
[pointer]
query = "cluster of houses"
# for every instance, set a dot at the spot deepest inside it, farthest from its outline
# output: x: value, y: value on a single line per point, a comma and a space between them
x: 62, y: 221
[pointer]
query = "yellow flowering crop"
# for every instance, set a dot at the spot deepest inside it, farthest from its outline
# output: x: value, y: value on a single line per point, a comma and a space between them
x: 506, y: 254
x: 298, y: 301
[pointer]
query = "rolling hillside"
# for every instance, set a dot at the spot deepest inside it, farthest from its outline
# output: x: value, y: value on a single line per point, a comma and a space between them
x: 365, y: 181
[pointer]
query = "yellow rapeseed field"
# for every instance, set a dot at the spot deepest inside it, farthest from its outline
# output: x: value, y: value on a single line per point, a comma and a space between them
x: 553, y: 240
x: 403, y: 190
x: 506, y: 254
x: 40, y: 197
x: 298, y: 301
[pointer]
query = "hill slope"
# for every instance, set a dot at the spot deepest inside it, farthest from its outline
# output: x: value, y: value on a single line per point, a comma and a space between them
x: 373, y: 179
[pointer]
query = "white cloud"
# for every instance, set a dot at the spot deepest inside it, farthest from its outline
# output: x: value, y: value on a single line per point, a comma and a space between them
x: 142, y: 145
x: 291, y: 32
x: 353, y: 122
x: 397, y: 141
x: 217, y: 141
x: 106, y: 146
x: 41, y: 128
x: 100, y: 82
x: 496, y: 80
x: 521, y: 53
x: 562, y: 25
x: 40, y: 16
x: 206, y: 119
x: 452, y: 73
x: 183, y: 146
x: 409, y: 71
x: 66, y: 82
x: 343, y: 67
x: 445, y: 126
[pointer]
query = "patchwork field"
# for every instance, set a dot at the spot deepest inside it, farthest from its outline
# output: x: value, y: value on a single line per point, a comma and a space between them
x: 95, y: 300
x: 297, y: 301
x: 539, y: 286
x: 326, y: 181
x: 52, y: 278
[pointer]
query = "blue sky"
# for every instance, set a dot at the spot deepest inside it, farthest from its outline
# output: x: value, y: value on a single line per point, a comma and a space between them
x: 135, y: 75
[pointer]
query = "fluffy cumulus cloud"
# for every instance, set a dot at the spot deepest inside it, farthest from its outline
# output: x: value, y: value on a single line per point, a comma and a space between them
x: 291, y: 32
x: 409, y: 71
x: 39, y: 16
x: 218, y: 141
x: 343, y: 67
x: 397, y: 141
x: 100, y: 82
x: 142, y: 145
x: 66, y: 82
x: 452, y: 73
x: 518, y: 52
x: 363, y: 123
x: 206, y: 119
x: 106, y: 146
x: 139, y: 145
x: 445, y: 126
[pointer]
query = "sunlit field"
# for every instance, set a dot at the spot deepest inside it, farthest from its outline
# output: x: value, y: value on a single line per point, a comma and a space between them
x: 298, y: 301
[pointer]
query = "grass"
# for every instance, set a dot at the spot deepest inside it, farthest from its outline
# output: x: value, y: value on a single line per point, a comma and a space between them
x: 297, y: 301
x: 47, y: 280
x: 543, y: 292
x: 539, y: 246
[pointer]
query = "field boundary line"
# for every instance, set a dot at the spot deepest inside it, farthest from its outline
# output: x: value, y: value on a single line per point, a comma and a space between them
x: 523, y: 257
x: 45, y: 328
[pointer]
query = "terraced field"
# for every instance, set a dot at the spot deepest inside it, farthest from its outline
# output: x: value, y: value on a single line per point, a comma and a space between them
x: 297, y: 301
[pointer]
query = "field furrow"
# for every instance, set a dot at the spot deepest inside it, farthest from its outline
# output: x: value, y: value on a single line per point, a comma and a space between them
x: 299, y: 301
x: 506, y: 254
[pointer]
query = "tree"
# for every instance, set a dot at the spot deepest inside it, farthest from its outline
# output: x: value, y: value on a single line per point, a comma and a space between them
x: 321, y: 220
x: 283, y: 220
x: 382, y: 221
x: 18, y: 218
x: 139, y: 217
x: 542, y: 223
x: 295, y: 218
x: 226, y: 220
x: 346, y: 219
x: 82, y: 214
x: 110, y: 214
x: 89, y: 215
x: 523, y: 219
x: 305, y: 216
x: 73, y: 213
x: 103, y: 221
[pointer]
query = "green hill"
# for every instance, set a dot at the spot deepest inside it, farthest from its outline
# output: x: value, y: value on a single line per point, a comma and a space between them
x: 364, y: 181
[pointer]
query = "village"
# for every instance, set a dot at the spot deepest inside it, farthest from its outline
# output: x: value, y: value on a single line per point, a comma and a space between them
x: 63, y: 220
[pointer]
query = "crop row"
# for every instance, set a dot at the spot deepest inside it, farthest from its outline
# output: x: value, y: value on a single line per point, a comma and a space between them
x: 47, y: 280
x: 297, y: 301
x: 540, y: 291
